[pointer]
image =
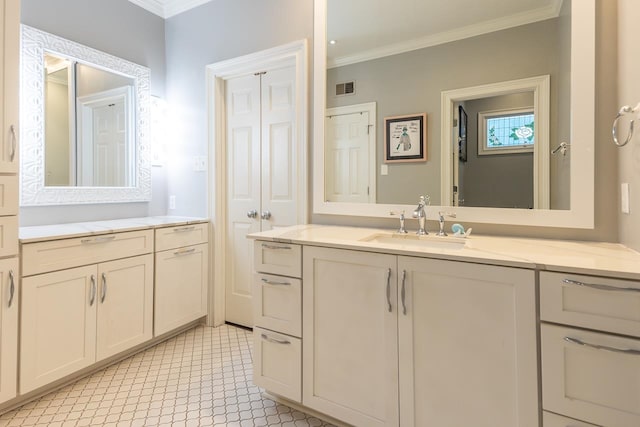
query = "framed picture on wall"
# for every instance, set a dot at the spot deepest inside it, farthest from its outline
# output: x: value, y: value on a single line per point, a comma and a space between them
x: 462, y: 134
x: 405, y: 138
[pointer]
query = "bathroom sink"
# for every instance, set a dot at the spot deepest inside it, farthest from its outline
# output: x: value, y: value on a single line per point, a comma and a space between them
x: 432, y: 242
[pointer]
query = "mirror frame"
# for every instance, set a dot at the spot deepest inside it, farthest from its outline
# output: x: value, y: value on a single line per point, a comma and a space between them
x: 581, y: 214
x: 33, y: 192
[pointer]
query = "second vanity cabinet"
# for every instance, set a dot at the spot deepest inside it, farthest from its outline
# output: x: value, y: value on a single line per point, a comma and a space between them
x: 395, y: 340
x: 74, y: 317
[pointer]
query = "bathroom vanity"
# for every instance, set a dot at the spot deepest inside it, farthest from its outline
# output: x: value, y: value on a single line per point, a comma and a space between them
x: 378, y: 329
x: 92, y: 293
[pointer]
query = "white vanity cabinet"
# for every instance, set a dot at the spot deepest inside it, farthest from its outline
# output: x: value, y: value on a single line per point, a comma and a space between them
x: 393, y: 340
x: 74, y: 317
x: 468, y: 346
x: 181, y: 265
x: 8, y: 328
x: 277, y: 314
x: 591, y: 348
x: 9, y: 86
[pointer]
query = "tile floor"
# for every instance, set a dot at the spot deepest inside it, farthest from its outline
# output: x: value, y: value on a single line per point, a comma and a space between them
x: 199, y: 378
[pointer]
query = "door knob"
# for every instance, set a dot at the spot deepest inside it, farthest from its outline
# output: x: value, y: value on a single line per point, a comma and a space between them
x: 265, y: 215
x: 252, y: 213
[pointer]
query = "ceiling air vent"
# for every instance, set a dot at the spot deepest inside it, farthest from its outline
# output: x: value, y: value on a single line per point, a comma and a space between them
x: 347, y: 88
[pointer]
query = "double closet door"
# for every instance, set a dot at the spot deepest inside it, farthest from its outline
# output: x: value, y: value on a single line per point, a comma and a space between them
x: 263, y: 182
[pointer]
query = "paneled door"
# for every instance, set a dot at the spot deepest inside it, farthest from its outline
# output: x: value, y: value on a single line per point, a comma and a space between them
x: 262, y: 178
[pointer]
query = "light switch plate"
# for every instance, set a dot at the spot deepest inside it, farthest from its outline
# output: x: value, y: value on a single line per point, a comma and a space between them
x: 624, y: 198
x: 384, y: 169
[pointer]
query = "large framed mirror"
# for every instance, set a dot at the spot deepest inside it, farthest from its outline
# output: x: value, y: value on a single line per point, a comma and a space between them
x: 84, y: 124
x: 503, y: 85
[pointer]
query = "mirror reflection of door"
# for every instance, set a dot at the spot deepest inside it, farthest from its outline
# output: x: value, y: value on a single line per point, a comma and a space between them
x: 350, y: 150
x: 89, y: 125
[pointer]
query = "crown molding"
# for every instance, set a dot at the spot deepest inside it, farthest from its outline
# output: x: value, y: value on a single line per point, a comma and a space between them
x: 536, y: 15
x: 168, y: 8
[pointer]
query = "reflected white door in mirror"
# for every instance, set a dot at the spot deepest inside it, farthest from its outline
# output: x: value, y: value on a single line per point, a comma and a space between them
x: 85, y: 125
x: 500, y: 168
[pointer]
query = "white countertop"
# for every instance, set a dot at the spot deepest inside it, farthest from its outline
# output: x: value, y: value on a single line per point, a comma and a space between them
x: 63, y: 231
x: 598, y: 258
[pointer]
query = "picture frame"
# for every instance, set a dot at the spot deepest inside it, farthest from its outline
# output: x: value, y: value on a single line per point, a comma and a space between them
x: 405, y: 138
x: 462, y: 134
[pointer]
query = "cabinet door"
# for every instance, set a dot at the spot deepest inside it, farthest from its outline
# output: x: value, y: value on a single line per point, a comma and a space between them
x: 181, y: 287
x: 8, y: 328
x: 468, y: 354
x: 58, y: 325
x: 125, y: 304
x: 9, y: 77
x: 350, y: 359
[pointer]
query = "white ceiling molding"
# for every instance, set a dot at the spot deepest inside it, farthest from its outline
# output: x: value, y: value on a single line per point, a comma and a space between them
x: 168, y: 8
x: 528, y: 17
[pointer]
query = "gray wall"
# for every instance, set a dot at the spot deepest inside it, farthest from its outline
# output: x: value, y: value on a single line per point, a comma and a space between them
x: 412, y: 83
x: 119, y: 28
x: 215, y: 31
x: 629, y: 94
x: 500, y: 180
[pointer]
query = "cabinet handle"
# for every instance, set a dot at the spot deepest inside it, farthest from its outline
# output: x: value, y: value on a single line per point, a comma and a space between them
x: 403, y: 293
x: 600, y: 287
x: 14, y: 143
x: 185, y: 251
x: 104, y: 288
x: 274, y: 340
x: 603, y: 347
x: 92, y: 298
x: 183, y: 229
x: 269, y: 282
x: 101, y: 239
x: 266, y: 246
x: 12, y: 287
x: 389, y: 290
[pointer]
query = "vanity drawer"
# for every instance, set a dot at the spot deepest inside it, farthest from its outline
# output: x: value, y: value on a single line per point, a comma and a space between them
x: 278, y: 258
x: 277, y: 363
x: 54, y: 255
x: 278, y: 303
x: 599, y: 303
x: 8, y: 236
x: 586, y: 375
x: 182, y: 235
x: 554, y: 420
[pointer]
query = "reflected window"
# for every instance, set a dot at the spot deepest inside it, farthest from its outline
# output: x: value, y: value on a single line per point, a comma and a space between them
x: 502, y: 132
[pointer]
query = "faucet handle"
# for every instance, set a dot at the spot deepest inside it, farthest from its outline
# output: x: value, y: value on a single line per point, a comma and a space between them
x: 442, y: 214
x: 425, y: 200
x: 400, y: 213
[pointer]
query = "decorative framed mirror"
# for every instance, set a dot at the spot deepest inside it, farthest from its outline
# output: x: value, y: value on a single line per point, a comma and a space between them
x: 85, y: 119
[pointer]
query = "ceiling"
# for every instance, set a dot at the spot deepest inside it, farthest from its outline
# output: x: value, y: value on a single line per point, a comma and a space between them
x: 366, y: 29
x: 168, y: 8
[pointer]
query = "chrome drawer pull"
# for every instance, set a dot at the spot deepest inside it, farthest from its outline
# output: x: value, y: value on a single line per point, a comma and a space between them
x: 12, y: 287
x: 14, y: 143
x: 603, y: 347
x: 98, y: 239
x: 402, y: 292
x: 185, y: 251
x: 274, y: 340
x: 266, y: 246
x: 389, y: 290
x: 183, y: 229
x: 269, y: 282
x: 600, y: 287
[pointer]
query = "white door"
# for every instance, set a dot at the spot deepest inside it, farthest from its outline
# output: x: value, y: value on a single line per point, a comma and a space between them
x: 347, y: 158
x: 467, y: 345
x: 243, y: 193
x: 350, y: 346
x: 262, y: 178
x: 109, y: 144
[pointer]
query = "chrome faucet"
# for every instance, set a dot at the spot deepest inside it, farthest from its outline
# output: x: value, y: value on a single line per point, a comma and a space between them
x: 402, y: 229
x: 441, y: 216
x: 420, y: 214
